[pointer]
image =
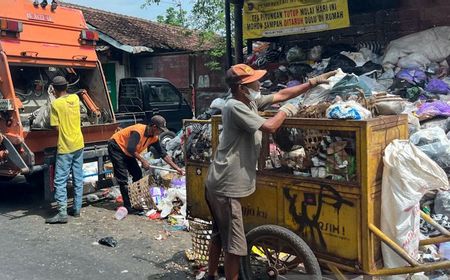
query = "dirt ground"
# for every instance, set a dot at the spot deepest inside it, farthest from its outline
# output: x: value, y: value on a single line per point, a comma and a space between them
x: 32, y: 249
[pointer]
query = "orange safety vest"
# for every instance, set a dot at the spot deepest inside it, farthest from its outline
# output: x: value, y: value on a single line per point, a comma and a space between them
x: 122, y: 137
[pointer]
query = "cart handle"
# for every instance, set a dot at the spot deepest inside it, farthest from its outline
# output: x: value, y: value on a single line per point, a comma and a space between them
x: 432, y: 222
x: 394, y: 246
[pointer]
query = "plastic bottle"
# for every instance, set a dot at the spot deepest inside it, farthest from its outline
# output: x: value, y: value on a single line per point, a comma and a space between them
x: 444, y: 250
x: 121, y: 213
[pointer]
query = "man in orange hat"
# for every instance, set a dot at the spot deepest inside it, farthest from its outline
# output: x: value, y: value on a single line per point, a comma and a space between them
x: 232, y: 174
x: 125, y: 148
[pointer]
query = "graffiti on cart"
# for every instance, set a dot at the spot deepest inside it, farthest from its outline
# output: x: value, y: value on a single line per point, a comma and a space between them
x: 309, y: 225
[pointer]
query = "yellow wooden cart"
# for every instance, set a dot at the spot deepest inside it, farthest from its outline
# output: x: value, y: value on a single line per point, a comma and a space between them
x: 295, y: 223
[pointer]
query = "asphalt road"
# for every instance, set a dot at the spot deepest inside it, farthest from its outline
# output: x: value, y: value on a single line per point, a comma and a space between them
x: 33, y: 250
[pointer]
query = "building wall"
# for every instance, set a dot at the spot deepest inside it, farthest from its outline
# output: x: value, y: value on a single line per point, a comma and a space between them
x: 209, y: 84
x: 175, y: 68
x: 184, y: 70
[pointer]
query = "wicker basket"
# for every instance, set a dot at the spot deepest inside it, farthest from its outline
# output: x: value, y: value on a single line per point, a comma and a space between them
x: 139, y: 193
x: 201, y: 235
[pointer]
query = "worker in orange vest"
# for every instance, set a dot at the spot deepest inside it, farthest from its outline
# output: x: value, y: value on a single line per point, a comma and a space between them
x: 125, y: 148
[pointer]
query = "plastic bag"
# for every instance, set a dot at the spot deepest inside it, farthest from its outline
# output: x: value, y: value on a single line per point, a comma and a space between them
x: 166, y: 204
x: 350, y: 85
x: 434, y: 44
x: 436, y: 108
x: 442, y: 203
x: 340, y: 61
x: 437, y: 86
x: 348, y: 110
x: 218, y: 103
x: 412, y: 76
x: 322, y: 92
x: 435, y: 144
x: 407, y: 175
x: 295, y: 54
x: 42, y: 115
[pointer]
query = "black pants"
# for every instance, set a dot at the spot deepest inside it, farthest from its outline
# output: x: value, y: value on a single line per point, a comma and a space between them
x: 122, y: 165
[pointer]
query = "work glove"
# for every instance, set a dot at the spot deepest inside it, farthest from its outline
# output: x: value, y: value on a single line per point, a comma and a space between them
x: 290, y: 109
x: 322, y: 79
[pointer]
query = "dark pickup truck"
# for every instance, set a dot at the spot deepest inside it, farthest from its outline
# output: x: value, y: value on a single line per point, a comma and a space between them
x: 141, y: 98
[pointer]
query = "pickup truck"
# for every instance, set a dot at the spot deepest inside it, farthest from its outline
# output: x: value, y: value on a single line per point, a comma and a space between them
x: 141, y: 98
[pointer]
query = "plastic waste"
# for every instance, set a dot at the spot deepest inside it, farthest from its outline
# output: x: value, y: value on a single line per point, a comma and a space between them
x: 348, y: 110
x: 108, y: 241
x: 92, y: 198
x: 407, y: 175
x: 157, y: 193
x: 444, y: 250
x: 442, y: 203
x: 121, y: 213
x: 178, y: 182
x: 350, y: 85
x: 435, y: 144
x: 437, y: 86
x: 436, y: 108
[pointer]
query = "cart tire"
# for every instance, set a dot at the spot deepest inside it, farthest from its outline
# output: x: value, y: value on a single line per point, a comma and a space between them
x: 298, y: 246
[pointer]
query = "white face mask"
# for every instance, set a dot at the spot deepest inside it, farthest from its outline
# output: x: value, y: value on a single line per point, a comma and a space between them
x: 253, y: 94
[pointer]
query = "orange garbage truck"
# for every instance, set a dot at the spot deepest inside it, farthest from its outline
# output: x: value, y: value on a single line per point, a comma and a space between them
x: 38, y: 41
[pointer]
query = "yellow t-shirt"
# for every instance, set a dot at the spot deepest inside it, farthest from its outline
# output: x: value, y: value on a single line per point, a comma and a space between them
x: 65, y: 114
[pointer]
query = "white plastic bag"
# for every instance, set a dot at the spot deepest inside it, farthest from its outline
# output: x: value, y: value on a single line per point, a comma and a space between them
x: 408, y: 174
x: 432, y: 44
x: 322, y: 92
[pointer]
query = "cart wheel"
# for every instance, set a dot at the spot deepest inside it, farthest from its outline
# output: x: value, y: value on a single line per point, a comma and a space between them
x: 275, y: 252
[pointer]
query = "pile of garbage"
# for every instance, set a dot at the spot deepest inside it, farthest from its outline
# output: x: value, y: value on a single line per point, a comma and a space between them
x: 407, y: 76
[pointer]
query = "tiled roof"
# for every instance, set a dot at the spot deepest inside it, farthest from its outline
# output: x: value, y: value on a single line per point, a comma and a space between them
x: 136, y: 32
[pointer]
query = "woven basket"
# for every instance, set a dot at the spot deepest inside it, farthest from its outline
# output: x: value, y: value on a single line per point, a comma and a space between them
x: 317, y: 111
x: 139, y: 193
x: 201, y: 235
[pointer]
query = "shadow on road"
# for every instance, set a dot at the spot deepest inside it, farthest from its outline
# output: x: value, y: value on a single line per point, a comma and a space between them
x: 19, y: 199
x: 175, y: 268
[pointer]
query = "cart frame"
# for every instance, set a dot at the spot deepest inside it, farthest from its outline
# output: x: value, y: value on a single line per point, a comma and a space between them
x: 372, y: 136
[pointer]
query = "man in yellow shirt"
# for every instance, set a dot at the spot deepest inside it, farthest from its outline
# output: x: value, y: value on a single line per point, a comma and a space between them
x: 65, y: 117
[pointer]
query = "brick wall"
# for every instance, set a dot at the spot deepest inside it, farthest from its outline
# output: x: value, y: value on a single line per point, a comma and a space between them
x: 383, y: 25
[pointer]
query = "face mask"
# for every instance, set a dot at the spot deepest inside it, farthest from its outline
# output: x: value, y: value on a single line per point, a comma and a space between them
x: 253, y: 94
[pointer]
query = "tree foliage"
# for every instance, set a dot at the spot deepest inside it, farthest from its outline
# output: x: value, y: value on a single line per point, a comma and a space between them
x: 173, y: 17
x: 207, y: 17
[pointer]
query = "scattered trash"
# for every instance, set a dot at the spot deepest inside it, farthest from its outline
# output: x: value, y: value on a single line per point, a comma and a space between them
x: 92, y: 198
x: 200, y: 274
x: 444, y: 250
x: 155, y: 216
x: 108, y: 241
x: 121, y: 213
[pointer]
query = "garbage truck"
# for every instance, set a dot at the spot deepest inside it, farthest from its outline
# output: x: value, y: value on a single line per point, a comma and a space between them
x: 40, y: 40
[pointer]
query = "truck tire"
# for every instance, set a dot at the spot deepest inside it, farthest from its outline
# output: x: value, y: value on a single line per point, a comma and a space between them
x: 36, y: 179
x: 166, y: 137
x: 297, y: 261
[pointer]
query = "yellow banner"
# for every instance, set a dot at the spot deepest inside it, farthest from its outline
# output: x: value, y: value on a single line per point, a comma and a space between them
x: 272, y: 18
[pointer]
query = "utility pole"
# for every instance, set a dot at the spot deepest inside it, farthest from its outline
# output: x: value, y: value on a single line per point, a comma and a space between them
x: 178, y: 4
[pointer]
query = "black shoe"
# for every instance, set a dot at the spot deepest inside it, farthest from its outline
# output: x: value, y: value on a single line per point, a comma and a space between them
x: 74, y: 213
x: 57, y: 219
x: 134, y: 211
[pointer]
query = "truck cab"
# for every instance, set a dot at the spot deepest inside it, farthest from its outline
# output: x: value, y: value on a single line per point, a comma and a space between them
x: 141, y: 98
x: 37, y: 43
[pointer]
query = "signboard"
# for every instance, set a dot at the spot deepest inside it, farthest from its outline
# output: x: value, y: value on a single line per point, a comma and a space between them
x: 273, y: 18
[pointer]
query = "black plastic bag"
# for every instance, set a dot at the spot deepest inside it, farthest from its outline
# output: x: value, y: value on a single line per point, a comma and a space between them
x: 108, y: 241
